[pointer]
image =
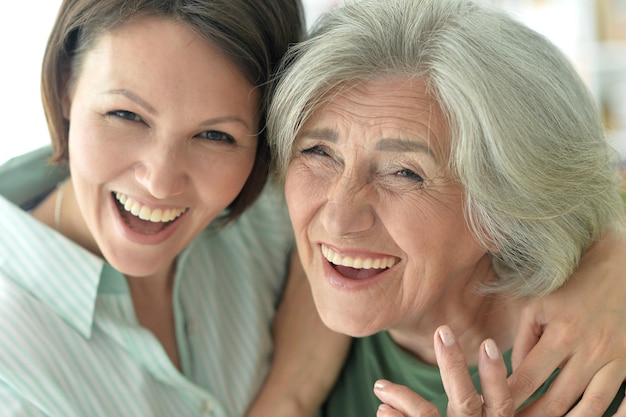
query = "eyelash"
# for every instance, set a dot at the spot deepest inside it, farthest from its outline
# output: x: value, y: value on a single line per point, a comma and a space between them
x: 410, y: 174
x: 318, y: 150
x: 126, y: 115
x: 315, y: 150
x: 223, y: 137
x: 209, y: 135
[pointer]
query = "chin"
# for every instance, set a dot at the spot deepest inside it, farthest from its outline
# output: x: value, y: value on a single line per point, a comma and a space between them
x: 349, y: 325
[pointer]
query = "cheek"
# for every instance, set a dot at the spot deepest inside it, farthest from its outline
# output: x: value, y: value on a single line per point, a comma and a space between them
x: 293, y: 197
x: 91, y: 155
x: 303, y: 195
x: 219, y: 177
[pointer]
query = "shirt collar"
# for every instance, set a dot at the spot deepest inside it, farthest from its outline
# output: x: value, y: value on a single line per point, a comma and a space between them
x: 45, y: 263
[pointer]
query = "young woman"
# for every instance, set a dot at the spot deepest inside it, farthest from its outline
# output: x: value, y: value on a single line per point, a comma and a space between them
x: 146, y: 283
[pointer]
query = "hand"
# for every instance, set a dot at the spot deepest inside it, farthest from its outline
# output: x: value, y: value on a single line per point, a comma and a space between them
x: 580, y: 328
x: 463, y: 399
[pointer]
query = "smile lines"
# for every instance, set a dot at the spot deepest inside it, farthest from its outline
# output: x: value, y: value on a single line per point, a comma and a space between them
x: 146, y: 213
x: 358, y: 262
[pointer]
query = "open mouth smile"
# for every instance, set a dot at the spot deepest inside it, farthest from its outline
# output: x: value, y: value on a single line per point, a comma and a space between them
x: 143, y: 219
x: 358, y: 267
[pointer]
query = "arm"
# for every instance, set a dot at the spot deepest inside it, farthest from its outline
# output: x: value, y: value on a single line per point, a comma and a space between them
x: 580, y: 328
x: 307, y: 355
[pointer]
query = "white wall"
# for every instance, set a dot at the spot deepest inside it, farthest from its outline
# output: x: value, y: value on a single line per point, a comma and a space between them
x: 24, y: 28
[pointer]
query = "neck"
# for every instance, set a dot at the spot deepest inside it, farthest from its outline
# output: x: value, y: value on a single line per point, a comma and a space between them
x: 72, y: 223
x: 472, y: 316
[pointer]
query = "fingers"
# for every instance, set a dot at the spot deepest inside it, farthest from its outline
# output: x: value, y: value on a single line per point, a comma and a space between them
x: 529, y: 333
x: 497, y: 397
x: 385, y: 410
x: 587, y: 372
x: 599, y: 394
x: 563, y: 393
x: 463, y: 400
x: 534, y: 370
x: 401, y: 401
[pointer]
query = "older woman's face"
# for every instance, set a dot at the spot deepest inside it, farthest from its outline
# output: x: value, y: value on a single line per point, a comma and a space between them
x: 378, y: 219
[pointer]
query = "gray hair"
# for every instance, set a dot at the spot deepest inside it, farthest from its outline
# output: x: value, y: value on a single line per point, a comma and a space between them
x: 527, y: 144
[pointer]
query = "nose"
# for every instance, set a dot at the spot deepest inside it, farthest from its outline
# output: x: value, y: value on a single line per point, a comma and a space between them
x: 348, y: 208
x: 161, y: 171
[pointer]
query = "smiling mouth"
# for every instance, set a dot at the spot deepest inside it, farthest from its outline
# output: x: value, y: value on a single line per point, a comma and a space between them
x: 143, y: 219
x: 358, y: 267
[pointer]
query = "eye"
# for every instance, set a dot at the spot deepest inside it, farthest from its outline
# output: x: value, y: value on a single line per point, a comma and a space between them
x: 411, y: 175
x: 315, y: 150
x: 126, y: 115
x: 217, y: 136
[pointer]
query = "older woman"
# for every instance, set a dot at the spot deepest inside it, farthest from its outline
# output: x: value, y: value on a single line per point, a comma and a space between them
x: 443, y: 163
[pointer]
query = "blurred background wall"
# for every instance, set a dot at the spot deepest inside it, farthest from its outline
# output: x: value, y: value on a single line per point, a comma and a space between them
x: 592, y: 33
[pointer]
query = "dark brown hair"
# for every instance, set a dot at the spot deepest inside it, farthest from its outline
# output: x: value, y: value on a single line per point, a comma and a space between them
x: 254, y: 34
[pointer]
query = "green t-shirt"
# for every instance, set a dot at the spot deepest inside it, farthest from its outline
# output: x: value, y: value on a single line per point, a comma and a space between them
x: 375, y: 357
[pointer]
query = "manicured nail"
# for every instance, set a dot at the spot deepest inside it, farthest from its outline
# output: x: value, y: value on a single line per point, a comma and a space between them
x: 446, y: 336
x: 380, y: 384
x: 491, y: 349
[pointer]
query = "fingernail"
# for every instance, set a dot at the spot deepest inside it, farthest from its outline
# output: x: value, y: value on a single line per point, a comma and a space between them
x: 446, y: 336
x: 491, y: 349
x: 380, y: 384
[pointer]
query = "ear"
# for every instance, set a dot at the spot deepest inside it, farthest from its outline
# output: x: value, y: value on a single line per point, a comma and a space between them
x: 66, y: 101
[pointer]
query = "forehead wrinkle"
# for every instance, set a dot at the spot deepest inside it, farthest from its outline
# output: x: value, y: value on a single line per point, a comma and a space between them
x: 135, y: 98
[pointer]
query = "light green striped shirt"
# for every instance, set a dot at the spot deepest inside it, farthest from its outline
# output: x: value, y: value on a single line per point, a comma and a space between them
x: 70, y: 344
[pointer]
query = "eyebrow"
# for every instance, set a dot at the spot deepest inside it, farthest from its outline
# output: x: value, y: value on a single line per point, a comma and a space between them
x: 150, y: 109
x: 225, y: 119
x: 384, y: 144
x: 322, y: 134
x: 402, y: 145
x: 134, y: 97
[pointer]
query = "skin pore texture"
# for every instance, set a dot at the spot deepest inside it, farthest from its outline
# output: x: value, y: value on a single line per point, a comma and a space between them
x: 176, y: 156
x: 362, y: 165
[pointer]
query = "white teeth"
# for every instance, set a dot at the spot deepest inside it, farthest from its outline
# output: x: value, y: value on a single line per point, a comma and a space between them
x: 358, y: 263
x: 146, y: 213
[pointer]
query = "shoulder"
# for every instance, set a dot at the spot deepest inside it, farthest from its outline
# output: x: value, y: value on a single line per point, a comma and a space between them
x: 26, y: 178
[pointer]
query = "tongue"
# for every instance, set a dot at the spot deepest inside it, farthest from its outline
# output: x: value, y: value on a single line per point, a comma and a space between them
x: 354, y: 273
x: 143, y: 226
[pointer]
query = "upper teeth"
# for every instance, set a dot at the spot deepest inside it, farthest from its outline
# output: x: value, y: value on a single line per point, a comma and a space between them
x: 358, y: 262
x: 146, y: 213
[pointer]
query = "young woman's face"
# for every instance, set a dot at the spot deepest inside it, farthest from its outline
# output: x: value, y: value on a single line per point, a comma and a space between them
x: 378, y: 218
x: 162, y: 139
